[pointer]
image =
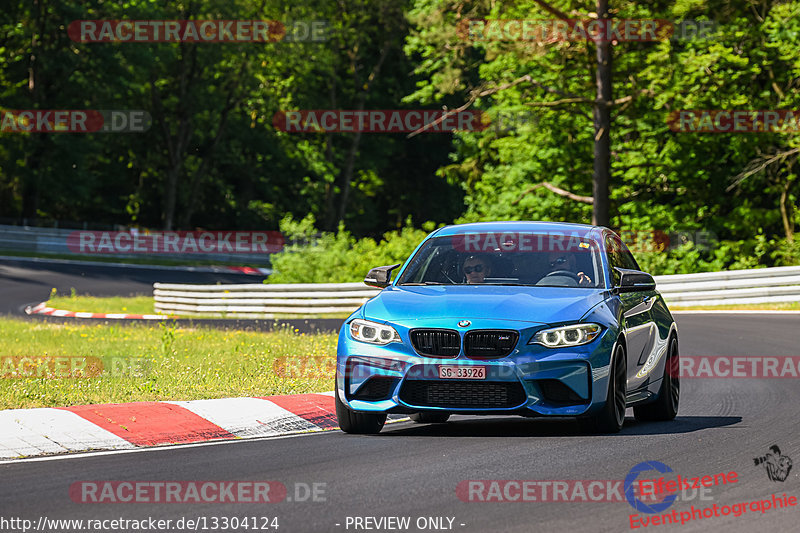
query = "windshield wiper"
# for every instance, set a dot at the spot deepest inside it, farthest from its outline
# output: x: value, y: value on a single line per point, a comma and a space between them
x: 424, y: 283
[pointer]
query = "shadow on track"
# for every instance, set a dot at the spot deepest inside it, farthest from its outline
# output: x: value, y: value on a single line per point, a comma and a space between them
x: 521, y: 427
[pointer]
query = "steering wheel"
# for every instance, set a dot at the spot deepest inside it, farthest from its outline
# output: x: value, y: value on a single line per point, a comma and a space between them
x: 565, y: 273
x: 443, y: 272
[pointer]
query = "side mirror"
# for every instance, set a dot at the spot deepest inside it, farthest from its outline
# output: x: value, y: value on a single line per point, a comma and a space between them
x: 380, y: 276
x: 634, y: 281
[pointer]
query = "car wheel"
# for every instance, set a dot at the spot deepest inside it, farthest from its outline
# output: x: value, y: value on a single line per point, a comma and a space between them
x: 358, y: 423
x: 430, y: 418
x: 666, y: 405
x: 611, y: 418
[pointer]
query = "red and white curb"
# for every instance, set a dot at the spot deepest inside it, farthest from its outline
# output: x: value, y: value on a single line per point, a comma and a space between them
x: 43, y: 309
x: 58, y: 430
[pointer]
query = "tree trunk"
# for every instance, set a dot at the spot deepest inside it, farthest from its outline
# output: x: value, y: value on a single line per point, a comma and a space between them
x: 348, y: 170
x: 32, y: 174
x: 196, y: 182
x: 176, y: 145
x: 602, y: 127
x: 787, y: 211
x: 329, y: 209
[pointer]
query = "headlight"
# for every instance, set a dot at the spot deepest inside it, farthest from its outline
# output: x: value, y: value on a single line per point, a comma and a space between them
x: 372, y: 332
x: 566, y: 335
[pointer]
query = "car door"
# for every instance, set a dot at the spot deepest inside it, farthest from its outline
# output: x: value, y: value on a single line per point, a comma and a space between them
x: 637, y: 319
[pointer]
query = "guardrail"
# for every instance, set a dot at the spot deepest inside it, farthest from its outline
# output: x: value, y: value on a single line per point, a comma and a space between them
x: 251, y: 300
x: 732, y: 287
x: 763, y: 285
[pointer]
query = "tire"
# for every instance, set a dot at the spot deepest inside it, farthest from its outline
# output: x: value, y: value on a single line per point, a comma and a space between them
x: 612, y: 417
x: 430, y: 418
x: 665, y: 407
x: 358, y: 423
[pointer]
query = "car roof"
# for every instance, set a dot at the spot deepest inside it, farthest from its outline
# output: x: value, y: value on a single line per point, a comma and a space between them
x: 583, y: 230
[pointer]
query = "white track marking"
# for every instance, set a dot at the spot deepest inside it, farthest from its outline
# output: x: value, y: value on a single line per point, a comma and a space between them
x: 171, y: 447
x: 37, y: 431
x: 247, y: 417
x: 167, y: 447
x: 31, y: 432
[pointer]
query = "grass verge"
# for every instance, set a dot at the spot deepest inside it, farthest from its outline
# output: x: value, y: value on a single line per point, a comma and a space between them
x: 132, y: 305
x: 157, y: 362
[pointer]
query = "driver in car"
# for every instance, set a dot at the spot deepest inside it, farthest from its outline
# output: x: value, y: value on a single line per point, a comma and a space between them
x: 476, y: 268
x: 566, y: 261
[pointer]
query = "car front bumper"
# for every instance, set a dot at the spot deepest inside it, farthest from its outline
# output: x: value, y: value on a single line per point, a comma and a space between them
x: 531, y: 381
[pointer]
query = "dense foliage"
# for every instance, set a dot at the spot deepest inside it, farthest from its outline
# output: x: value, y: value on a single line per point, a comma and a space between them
x: 213, y: 158
x: 339, y: 257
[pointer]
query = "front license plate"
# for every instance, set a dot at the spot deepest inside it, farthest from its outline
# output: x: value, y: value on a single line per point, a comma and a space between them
x: 462, y: 372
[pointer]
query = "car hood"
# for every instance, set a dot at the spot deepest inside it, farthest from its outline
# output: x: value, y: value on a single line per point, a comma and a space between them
x: 542, y: 305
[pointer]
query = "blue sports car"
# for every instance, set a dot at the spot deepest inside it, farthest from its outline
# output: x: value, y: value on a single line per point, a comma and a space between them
x: 510, y: 318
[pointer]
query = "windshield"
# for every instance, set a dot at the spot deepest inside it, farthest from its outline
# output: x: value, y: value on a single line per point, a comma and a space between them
x: 530, y: 259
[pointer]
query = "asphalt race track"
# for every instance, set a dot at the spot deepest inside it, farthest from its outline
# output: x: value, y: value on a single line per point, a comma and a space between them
x: 413, y: 470
x: 24, y: 282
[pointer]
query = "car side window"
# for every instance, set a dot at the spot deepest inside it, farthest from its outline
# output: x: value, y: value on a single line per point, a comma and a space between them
x: 613, y: 255
x: 628, y: 260
x: 618, y: 256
